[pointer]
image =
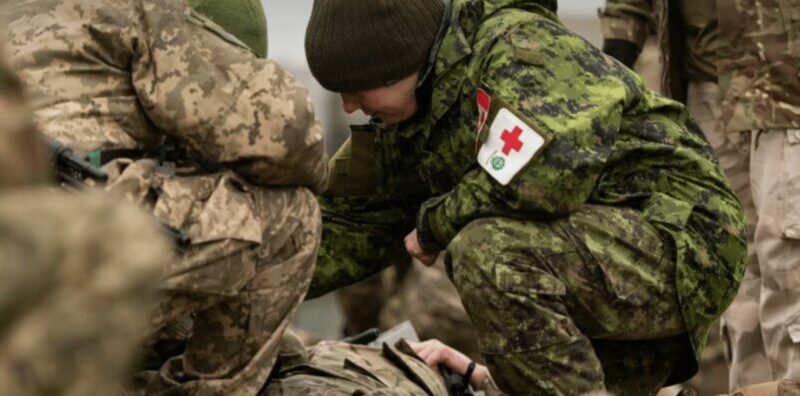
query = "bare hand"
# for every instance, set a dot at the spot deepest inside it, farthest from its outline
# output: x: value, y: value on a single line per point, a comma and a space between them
x: 415, y: 251
x: 435, y: 353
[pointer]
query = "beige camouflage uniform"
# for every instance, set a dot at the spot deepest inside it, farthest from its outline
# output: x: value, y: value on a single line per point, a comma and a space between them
x: 78, y: 275
x: 339, y: 369
x: 688, y: 37
x: 760, y: 83
x: 120, y: 74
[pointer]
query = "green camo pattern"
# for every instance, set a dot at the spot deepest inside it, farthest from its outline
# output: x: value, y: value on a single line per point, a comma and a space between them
x: 611, y: 142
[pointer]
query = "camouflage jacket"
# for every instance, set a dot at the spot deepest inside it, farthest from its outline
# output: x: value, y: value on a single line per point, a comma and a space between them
x: 119, y: 74
x: 607, y: 140
x: 22, y: 156
x: 759, y: 64
x: 687, y: 36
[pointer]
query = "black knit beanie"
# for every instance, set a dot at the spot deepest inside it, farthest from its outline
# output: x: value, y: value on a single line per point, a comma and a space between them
x: 353, y: 45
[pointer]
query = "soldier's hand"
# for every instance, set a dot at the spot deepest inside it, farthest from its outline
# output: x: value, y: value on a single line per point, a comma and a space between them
x: 622, y: 50
x: 436, y: 353
x: 415, y: 251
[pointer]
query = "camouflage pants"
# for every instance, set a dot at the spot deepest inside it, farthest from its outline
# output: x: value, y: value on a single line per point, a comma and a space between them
x: 762, y: 324
x: 248, y: 269
x: 581, y: 304
x: 78, y: 279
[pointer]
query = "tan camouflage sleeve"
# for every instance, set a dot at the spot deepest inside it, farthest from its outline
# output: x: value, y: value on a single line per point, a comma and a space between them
x: 22, y: 155
x: 201, y: 84
x: 630, y: 20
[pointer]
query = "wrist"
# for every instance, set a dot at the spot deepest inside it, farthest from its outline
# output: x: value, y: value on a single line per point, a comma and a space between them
x: 479, y: 377
x: 428, y: 233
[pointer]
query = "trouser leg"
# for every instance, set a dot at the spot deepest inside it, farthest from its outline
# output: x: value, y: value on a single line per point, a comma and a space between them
x: 539, y: 293
x: 776, y: 189
x: 242, y: 295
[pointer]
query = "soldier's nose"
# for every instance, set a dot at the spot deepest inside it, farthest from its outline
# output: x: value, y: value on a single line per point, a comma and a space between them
x: 349, y: 105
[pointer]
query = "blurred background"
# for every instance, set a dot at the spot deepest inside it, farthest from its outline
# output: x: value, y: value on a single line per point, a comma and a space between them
x: 287, y: 24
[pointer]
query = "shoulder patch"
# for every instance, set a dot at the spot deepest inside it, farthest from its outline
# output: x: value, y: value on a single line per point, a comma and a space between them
x: 510, y: 145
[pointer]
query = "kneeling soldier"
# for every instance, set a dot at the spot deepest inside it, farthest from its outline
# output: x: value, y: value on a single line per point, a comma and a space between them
x: 587, y: 226
x: 116, y: 79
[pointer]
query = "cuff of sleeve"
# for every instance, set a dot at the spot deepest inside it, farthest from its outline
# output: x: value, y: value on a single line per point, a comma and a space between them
x: 633, y: 29
x: 433, y: 233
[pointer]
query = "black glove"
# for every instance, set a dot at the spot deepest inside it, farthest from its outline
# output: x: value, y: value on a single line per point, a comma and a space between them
x: 622, y: 50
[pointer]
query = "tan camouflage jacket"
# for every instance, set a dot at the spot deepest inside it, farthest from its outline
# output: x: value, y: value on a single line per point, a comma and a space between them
x: 687, y: 35
x: 124, y: 74
x: 22, y: 156
x: 760, y: 64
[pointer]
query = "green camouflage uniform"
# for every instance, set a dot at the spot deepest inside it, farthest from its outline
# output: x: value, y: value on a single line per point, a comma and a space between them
x: 78, y: 276
x: 620, y: 230
x: 125, y: 75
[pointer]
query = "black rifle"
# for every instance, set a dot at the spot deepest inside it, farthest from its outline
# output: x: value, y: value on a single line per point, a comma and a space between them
x: 73, y: 170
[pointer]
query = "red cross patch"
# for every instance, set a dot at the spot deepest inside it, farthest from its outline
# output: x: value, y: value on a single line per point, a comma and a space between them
x: 510, y: 145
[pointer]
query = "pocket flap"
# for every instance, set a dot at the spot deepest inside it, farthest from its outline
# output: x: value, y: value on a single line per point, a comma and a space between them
x: 209, y: 208
x: 510, y: 279
x: 228, y: 214
x: 662, y: 208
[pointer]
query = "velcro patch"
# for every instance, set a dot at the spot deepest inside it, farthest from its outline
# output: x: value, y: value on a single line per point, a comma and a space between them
x: 510, y: 145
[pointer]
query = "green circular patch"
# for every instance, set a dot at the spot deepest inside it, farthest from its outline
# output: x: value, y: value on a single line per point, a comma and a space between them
x: 498, y: 162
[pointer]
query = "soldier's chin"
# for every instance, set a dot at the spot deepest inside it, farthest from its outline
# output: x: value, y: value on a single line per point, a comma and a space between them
x: 391, y: 118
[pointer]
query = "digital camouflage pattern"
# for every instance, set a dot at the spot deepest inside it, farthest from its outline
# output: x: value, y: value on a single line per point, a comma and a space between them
x: 687, y: 33
x: 160, y: 70
x: 78, y: 275
x: 22, y: 156
x: 235, y: 110
x: 759, y: 62
x: 77, y: 285
x: 612, y: 144
x: 335, y: 368
x: 593, y: 285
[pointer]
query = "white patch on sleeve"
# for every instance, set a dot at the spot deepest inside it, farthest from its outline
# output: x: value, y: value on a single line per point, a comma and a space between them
x: 511, y: 144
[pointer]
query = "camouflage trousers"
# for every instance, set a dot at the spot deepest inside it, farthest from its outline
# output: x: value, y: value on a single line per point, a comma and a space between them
x: 339, y: 369
x: 763, y: 323
x: 581, y: 304
x: 247, y: 270
x: 78, y: 280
